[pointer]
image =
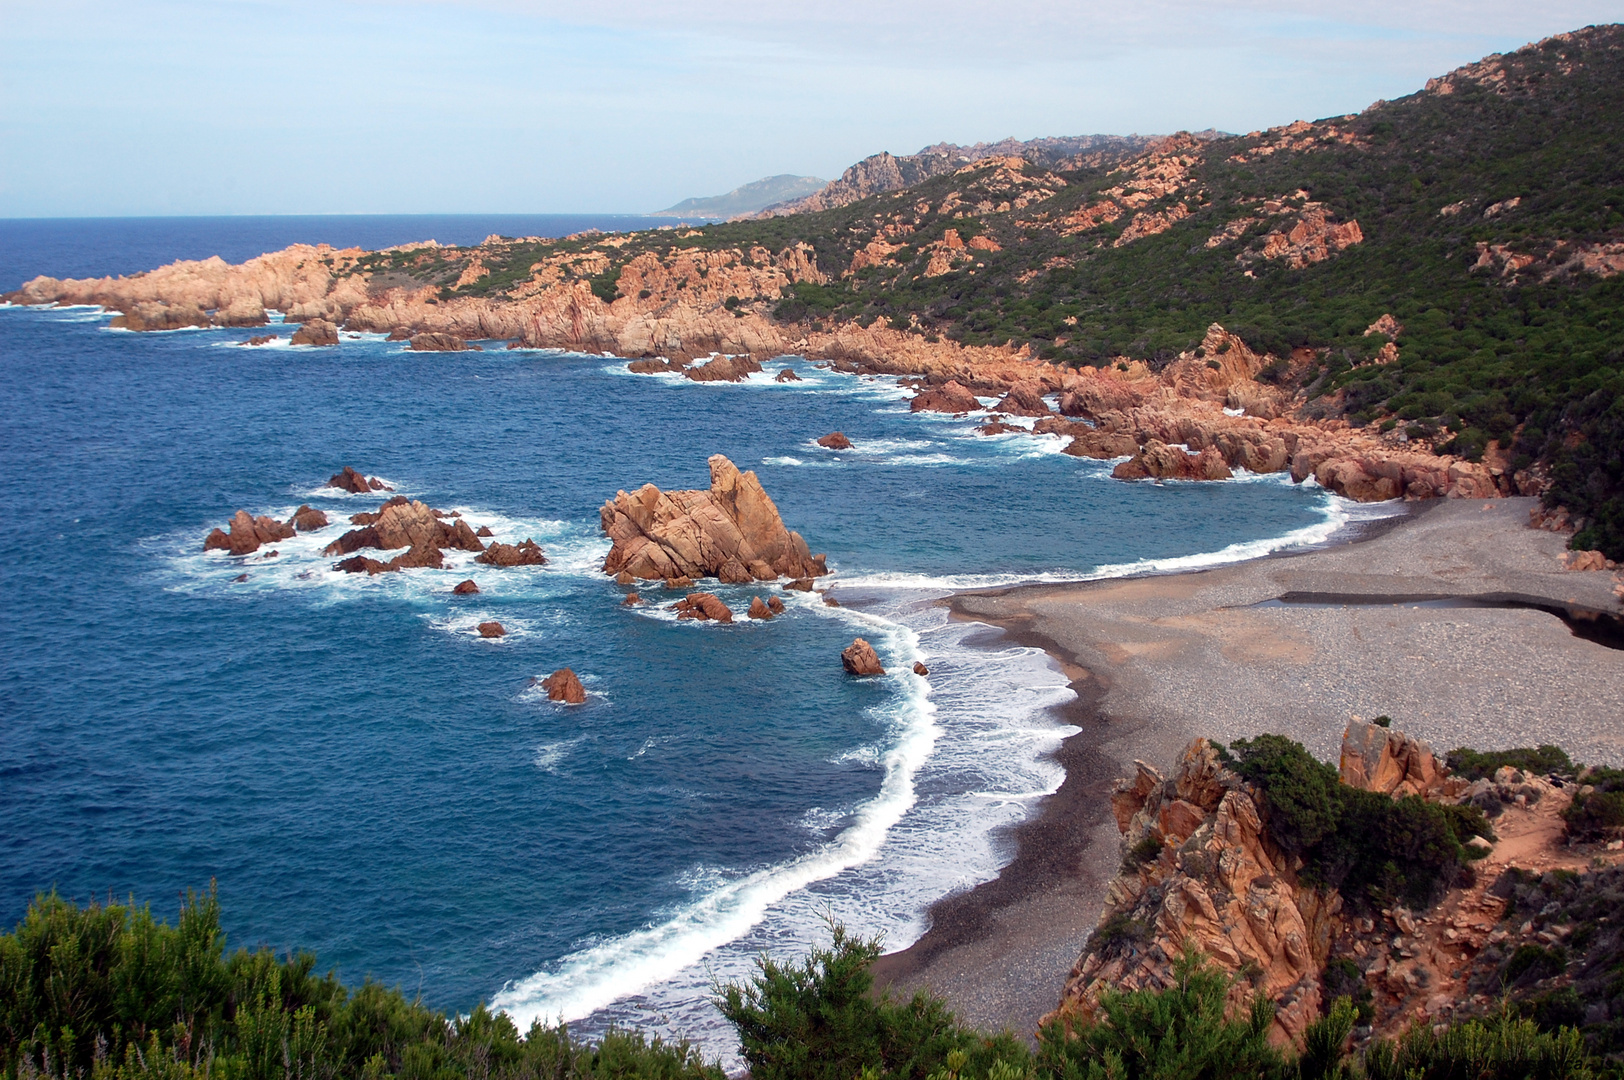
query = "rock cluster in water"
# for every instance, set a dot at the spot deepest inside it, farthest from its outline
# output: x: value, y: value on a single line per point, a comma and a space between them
x: 732, y: 532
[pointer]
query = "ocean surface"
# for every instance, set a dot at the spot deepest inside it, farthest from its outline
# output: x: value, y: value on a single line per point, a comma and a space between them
x: 367, y: 778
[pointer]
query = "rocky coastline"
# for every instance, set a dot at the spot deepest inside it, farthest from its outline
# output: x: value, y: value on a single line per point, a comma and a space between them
x: 1211, y: 410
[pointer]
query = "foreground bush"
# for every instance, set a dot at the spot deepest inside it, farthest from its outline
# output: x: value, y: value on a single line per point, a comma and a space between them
x: 105, y: 992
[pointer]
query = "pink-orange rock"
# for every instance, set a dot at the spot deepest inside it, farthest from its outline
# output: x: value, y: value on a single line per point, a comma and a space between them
x: 775, y: 605
x: 307, y: 519
x: 950, y: 398
x: 694, y: 534
x: 317, y: 332
x: 1164, y: 462
x: 434, y: 341
x: 563, y: 685
x: 759, y: 609
x: 492, y: 629
x: 262, y: 339
x: 859, y: 658
x: 399, y: 333
x: 524, y: 553
x: 703, y: 605
x: 1025, y: 398
x: 787, y: 375
x: 355, y: 483
x: 1384, y: 759
x: 466, y: 588
x: 920, y: 669
x: 835, y: 440
x: 723, y: 369
x: 1101, y: 445
x: 160, y: 316
x: 632, y: 600
x: 247, y: 534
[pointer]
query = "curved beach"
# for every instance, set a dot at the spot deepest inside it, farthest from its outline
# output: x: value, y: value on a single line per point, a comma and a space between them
x: 1391, y: 625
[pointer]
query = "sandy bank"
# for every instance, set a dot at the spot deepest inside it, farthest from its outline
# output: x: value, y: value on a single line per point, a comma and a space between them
x: 1159, y: 660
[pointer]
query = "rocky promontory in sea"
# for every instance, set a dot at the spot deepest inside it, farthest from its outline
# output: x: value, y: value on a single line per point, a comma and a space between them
x: 731, y: 532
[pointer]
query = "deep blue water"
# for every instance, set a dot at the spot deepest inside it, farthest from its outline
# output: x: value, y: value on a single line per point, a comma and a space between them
x: 365, y: 777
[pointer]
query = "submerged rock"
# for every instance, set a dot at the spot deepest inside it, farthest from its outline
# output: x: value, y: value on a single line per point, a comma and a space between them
x: 920, y: 669
x: 492, y: 629
x: 434, y: 341
x: 703, y: 605
x: 466, y: 588
x: 787, y: 375
x: 525, y: 553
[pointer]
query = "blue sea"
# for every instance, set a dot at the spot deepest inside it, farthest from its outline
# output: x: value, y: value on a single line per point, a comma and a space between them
x: 367, y: 778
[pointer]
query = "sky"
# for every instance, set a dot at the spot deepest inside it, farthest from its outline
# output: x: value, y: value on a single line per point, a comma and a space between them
x: 158, y: 107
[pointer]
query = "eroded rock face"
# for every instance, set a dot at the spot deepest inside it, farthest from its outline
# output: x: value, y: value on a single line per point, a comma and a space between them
x: 1199, y: 868
x: 1378, y: 758
x: 355, y: 483
x: 949, y: 398
x: 563, y: 685
x: 835, y: 440
x: 859, y: 658
x: 759, y: 608
x: 1025, y: 398
x: 1159, y: 461
x: 732, y: 532
x: 318, y: 332
x: 158, y: 315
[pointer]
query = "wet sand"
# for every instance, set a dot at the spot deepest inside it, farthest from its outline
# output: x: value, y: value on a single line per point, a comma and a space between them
x: 1159, y: 660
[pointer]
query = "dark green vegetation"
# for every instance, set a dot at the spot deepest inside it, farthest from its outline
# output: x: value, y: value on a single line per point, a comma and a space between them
x: 1508, y: 334
x: 1599, y: 806
x: 1544, y: 760
x: 104, y: 992
x: 1577, y: 982
x: 1374, y: 849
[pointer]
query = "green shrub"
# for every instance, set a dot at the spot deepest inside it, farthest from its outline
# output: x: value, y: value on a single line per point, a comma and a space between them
x: 1146, y: 850
x: 1502, y: 1047
x: 1375, y: 849
x: 817, y: 1020
x: 1544, y: 760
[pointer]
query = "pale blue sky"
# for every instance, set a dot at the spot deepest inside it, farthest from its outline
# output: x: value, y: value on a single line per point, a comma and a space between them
x: 538, y: 106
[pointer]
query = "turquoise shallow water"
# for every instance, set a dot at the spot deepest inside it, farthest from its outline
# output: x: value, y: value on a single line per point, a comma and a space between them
x: 367, y: 778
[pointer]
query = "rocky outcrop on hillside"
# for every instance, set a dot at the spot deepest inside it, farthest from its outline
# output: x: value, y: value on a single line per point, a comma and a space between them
x: 732, y: 532
x: 1201, y: 870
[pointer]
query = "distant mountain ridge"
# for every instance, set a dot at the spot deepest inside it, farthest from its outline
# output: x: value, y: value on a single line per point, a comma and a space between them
x: 884, y: 171
x: 746, y: 199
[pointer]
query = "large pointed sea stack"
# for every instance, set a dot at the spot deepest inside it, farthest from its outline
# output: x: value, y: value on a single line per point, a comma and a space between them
x: 731, y: 532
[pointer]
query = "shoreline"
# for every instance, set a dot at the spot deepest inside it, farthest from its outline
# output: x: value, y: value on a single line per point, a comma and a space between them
x: 1000, y: 952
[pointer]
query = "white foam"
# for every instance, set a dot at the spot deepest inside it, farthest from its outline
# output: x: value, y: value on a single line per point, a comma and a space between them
x: 592, y: 978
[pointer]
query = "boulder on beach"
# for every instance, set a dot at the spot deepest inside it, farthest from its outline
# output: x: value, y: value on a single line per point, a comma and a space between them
x: 492, y: 629
x: 563, y: 685
x: 308, y: 519
x: 859, y: 658
x: 787, y: 375
x: 466, y: 588
x: 703, y: 605
x: 948, y: 398
x: 734, y: 527
x: 355, y: 483
x: 835, y: 440
x: 525, y: 553
x: 318, y: 332
x: 920, y: 669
